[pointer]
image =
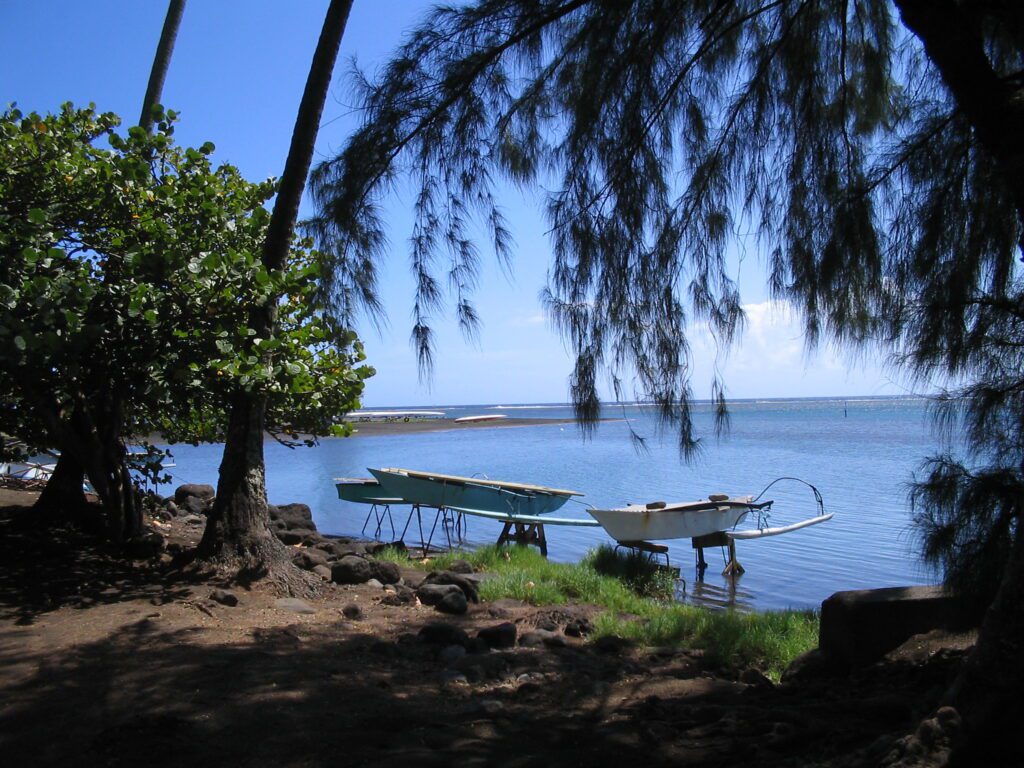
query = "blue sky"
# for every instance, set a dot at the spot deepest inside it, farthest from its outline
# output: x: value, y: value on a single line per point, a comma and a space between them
x: 236, y: 78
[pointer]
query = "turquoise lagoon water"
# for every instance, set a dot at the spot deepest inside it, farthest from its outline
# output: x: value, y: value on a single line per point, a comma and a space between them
x: 860, y: 453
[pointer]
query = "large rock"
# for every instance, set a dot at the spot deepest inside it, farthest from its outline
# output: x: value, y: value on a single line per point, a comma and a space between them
x: 386, y: 572
x: 467, y: 586
x: 351, y: 570
x: 194, y: 505
x: 500, y: 635
x: 432, y: 594
x: 203, y: 492
x: 309, y: 558
x: 453, y: 602
x: 811, y: 665
x: 339, y: 549
x: 294, y: 536
x: 860, y: 626
x: 443, y: 634
x: 294, y: 516
x: 145, y: 546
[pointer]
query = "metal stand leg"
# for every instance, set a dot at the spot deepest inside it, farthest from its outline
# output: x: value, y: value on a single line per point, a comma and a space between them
x: 419, y: 519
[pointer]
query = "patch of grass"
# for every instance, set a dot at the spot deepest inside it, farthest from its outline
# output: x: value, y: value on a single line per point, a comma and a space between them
x: 641, y: 574
x: 733, y: 640
x: 768, y: 641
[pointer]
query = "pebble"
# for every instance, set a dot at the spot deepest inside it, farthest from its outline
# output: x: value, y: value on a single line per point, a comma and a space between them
x: 451, y: 654
x: 224, y: 597
x: 352, y: 612
x: 375, y: 584
x: 453, y: 677
x: 491, y: 707
x: 294, y: 605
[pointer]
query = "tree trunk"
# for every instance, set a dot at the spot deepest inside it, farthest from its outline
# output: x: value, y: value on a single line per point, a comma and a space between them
x: 161, y: 62
x: 105, y: 461
x: 993, y: 105
x: 987, y: 690
x: 88, y: 435
x: 63, y: 496
x: 236, y: 531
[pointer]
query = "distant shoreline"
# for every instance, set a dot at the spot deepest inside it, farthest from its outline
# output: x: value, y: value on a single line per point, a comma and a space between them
x: 375, y: 428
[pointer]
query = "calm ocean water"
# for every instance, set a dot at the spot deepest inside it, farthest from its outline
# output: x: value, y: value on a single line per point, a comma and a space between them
x: 860, y: 453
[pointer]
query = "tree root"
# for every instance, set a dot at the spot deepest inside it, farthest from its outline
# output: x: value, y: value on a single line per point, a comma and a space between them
x: 260, y: 558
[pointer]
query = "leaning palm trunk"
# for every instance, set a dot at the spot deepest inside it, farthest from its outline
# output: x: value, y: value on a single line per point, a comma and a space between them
x: 236, y: 533
x: 161, y: 62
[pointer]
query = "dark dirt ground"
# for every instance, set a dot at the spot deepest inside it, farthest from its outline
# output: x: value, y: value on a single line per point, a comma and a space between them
x: 112, y: 662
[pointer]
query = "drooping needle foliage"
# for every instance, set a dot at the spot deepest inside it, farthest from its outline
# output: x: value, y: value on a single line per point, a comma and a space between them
x: 666, y: 130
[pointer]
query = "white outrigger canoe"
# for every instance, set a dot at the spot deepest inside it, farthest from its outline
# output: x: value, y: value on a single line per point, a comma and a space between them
x: 690, y: 520
x: 658, y: 520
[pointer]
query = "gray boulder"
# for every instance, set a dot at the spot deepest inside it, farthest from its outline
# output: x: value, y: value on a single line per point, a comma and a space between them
x: 202, y: 491
x: 454, y: 603
x: 443, y: 634
x: 294, y: 536
x: 224, y: 597
x: 323, y: 571
x: 386, y: 572
x: 432, y: 594
x: 351, y: 570
x: 860, y: 626
x: 468, y: 588
x: 538, y: 637
x: 500, y: 635
x: 195, y: 505
x: 309, y: 558
x: 296, y: 516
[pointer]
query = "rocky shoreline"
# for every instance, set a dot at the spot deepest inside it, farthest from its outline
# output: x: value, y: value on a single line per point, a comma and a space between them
x: 113, y: 661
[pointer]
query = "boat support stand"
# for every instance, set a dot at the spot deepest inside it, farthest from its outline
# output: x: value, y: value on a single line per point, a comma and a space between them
x: 375, y: 510
x: 452, y: 521
x: 717, y: 539
x: 524, y: 534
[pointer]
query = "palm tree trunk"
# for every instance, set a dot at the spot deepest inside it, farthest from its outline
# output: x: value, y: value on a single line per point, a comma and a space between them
x: 161, y: 62
x: 236, y: 531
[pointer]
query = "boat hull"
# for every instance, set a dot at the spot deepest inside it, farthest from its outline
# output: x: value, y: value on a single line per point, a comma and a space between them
x: 363, y: 490
x: 683, y: 521
x: 461, y: 493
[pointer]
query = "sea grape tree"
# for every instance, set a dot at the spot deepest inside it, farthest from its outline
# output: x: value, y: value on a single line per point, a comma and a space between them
x: 127, y: 282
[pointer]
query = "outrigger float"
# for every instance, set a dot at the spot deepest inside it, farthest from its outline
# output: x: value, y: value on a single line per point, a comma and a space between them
x: 525, y: 509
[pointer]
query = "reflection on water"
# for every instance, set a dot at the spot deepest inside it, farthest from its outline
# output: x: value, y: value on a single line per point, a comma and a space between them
x: 726, y: 594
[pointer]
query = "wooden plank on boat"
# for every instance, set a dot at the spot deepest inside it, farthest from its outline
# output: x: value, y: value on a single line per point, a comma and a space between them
x: 482, y: 481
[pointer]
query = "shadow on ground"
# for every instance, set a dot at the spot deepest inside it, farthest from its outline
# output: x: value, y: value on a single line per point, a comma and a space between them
x: 149, y: 689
